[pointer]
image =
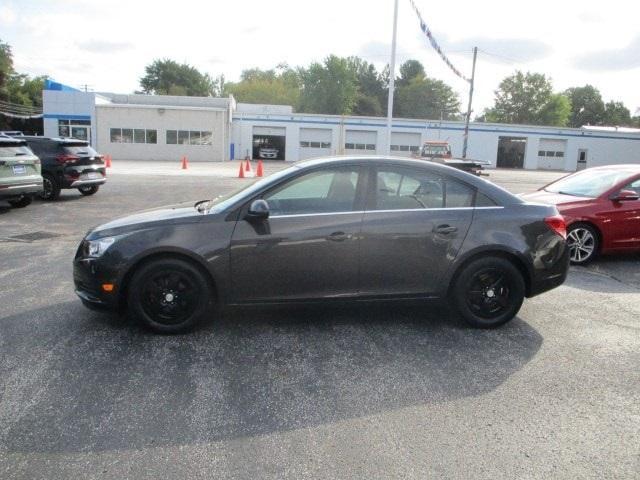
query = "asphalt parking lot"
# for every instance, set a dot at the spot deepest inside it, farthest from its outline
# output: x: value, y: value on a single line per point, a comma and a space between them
x: 368, y: 392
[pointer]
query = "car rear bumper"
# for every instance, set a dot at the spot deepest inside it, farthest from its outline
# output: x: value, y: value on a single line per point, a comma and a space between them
x: 15, y: 190
x: 86, y: 183
x: 551, y: 275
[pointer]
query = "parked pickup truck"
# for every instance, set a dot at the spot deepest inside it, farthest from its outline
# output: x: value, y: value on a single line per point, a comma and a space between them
x: 440, y: 152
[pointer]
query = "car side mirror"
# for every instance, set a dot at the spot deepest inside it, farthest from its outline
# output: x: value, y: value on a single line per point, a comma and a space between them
x: 625, y: 196
x: 259, y: 210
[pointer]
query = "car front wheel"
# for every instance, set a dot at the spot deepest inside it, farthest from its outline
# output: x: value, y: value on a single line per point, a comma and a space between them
x: 488, y: 292
x: 583, y: 243
x: 169, y: 295
x: 50, y: 187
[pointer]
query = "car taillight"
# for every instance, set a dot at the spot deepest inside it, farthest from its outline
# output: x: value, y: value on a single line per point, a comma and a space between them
x: 66, y: 158
x: 557, y: 224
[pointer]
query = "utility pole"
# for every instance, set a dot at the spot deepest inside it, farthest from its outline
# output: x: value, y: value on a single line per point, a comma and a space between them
x: 466, y: 123
x: 392, y: 77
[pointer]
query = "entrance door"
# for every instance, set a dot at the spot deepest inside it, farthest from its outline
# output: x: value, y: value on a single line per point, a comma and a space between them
x: 582, y: 159
x: 511, y: 152
x: 551, y: 154
x: 308, y: 247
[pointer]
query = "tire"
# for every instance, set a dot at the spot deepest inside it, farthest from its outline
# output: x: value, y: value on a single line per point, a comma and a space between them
x: 584, y: 243
x: 51, y: 187
x: 169, y: 295
x: 21, y: 202
x: 89, y: 190
x: 488, y: 292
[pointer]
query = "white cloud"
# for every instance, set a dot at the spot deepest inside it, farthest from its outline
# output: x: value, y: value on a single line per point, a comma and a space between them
x: 8, y: 15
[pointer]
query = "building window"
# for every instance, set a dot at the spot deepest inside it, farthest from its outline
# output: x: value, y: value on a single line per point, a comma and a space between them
x: 370, y: 146
x: 350, y: 146
x: 414, y: 148
x: 559, y: 154
x: 132, y: 135
x: 395, y: 148
x: 189, y: 137
x: 325, y: 144
x: 74, y: 128
x: 304, y: 144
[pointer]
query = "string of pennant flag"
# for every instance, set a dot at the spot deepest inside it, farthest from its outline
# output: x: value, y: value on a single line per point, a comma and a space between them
x: 425, y: 29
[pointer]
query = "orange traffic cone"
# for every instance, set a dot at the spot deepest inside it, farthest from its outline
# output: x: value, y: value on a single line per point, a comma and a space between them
x: 259, y: 171
x: 241, y: 171
x: 247, y: 166
x: 185, y: 164
x: 107, y: 161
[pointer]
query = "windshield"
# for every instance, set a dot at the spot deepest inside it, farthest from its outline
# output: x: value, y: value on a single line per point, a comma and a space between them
x: 222, y: 202
x: 82, y: 150
x: 435, y: 150
x: 588, y: 183
x: 14, y: 150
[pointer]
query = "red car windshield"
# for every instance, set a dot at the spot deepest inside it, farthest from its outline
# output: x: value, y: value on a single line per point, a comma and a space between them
x: 588, y: 183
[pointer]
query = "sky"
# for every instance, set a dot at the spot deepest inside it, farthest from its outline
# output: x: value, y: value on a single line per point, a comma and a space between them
x: 106, y: 45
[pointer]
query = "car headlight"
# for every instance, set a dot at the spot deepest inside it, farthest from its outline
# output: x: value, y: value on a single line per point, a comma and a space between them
x: 95, y: 248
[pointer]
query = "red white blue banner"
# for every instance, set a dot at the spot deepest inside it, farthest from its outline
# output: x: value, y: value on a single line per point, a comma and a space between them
x: 425, y: 29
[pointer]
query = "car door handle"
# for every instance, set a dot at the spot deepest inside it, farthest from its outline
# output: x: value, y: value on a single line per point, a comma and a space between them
x: 339, y: 237
x: 445, y: 229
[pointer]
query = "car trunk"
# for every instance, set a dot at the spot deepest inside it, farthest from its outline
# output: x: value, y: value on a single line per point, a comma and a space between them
x: 16, y: 160
x: 85, y: 155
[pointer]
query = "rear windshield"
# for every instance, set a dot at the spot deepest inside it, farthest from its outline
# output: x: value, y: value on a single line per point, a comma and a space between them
x: 81, y: 150
x: 14, y: 150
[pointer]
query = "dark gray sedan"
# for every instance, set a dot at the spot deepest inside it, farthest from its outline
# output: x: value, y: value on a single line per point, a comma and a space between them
x: 334, y: 229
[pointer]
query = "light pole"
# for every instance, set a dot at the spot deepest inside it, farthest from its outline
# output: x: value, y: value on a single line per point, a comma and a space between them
x: 392, y: 77
x: 466, y: 123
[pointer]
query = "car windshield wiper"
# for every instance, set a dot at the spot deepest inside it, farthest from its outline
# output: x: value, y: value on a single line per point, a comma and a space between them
x: 573, y: 194
x: 19, y: 154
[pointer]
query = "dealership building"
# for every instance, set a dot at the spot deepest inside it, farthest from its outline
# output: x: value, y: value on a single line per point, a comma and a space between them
x: 207, y: 129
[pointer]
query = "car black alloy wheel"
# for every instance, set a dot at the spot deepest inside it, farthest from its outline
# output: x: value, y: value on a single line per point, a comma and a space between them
x: 488, y: 295
x: 582, y: 240
x: 488, y: 292
x: 169, y: 295
x: 50, y: 188
x: 88, y: 189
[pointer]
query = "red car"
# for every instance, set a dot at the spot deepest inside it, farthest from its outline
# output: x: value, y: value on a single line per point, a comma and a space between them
x: 601, y: 207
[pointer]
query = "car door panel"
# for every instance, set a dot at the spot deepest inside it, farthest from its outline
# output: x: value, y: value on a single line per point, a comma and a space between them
x: 308, y: 247
x: 409, y: 238
x: 621, y: 220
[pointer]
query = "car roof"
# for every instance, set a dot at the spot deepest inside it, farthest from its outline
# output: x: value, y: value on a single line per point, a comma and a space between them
x: 499, y: 194
x: 54, y: 139
x: 5, y: 139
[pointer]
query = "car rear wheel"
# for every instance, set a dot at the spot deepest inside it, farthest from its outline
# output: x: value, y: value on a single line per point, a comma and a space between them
x: 169, y: 295
x: 89, y: 189
x: 21, y: 202
x: 583, y: 243
x: 50, y: 187
x: 488, y: 292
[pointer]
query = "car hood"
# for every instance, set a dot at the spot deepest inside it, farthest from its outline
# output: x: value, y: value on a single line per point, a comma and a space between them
x: 551, y: 198
x: 171, y: 214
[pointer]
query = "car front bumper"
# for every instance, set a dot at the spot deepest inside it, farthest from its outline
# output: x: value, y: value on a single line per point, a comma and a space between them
x: 89, y: 276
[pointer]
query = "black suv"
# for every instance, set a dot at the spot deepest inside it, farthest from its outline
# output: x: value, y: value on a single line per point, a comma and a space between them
x: 67, y: 163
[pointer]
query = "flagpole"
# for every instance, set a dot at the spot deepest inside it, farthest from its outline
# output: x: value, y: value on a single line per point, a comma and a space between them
x: 392, y: 77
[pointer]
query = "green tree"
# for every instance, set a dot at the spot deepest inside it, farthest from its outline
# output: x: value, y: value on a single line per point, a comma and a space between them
x: 617, y: 115
x: 167, y: 77
x: 330, y: 87
x: 425, y: 97
x: 408, y: 71
x: 371, y: 90
x: 529, y: 99
x: 277, y: 87
x: 587, y: 107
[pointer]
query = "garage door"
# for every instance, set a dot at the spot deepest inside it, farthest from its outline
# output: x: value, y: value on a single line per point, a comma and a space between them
x: 551, y: 153
x: 405, y: 144
x: 269, y: 143
x: 360, y: 141
x: 315, y: 142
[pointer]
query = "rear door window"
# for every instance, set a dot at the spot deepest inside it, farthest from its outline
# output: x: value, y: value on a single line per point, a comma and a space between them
x: 400, y: 188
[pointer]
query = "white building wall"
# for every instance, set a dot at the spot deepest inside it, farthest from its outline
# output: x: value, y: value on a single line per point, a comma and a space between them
x: 162, y: 118
x: 58, y: 105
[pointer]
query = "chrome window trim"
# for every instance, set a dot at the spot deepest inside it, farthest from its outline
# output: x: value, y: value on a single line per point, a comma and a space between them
x: 497, y: 207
